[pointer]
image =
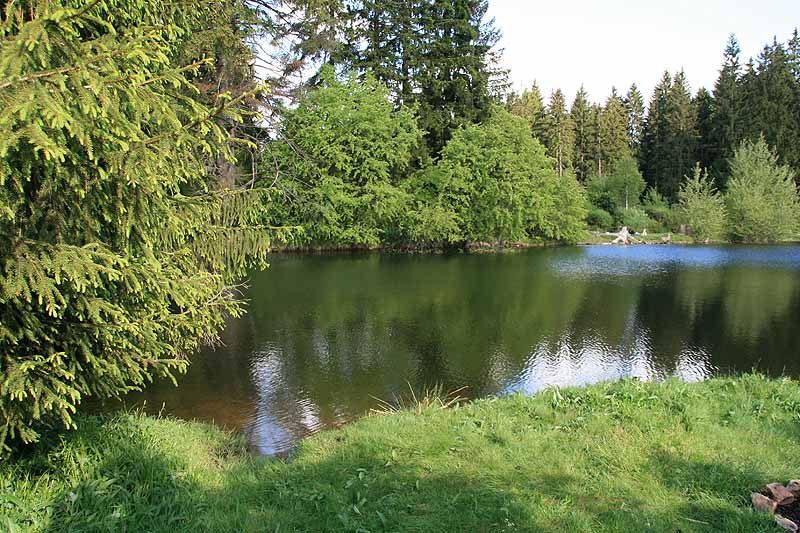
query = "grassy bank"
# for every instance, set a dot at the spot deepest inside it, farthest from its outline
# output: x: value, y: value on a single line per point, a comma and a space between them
x: 616, y: 457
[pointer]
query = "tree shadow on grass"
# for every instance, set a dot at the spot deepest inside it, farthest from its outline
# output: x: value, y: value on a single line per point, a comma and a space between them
x: 115, y: 474
x: 716, y: 495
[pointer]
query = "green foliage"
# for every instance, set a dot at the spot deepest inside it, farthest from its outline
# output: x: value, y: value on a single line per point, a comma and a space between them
x: 727, y: 112
x: 530, y: 106
x: 770, y: 99
x: 565, y: 221
x: 670, y: 139
x: 702, y: 207
x: 345, y: 146
x: 600, y: 196
x: 762, y: 197
x: 559, y: 132
x: 637, y: 220
x: 619, y: 191
x: 434, y: 55
x: 600, y: 218
x: 581, y: 116
x: 502, y: 187
x: 614, y: 136
x: 657, y: 208
x: 634, y: 108
x: 625, y: 183
x: 116, y: 248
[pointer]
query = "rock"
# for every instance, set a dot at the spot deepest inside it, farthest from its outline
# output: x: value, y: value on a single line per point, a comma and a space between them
x: 786, y: 524
x: 794, y: 487
x: 763, y: 504
x: 780, y: 494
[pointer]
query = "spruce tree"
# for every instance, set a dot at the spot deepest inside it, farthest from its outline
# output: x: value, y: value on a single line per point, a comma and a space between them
x: 435, y: 55
x: 681, y: 137
x: 530, y: 106
x: 703, y: 103
x: 614, y: 132
x: 454, y: 73
x: 770, y: 103
x: 702, y: 206
x: 560, y: 136
x: 581, y: 116
x: 726, y: 113
x: 634, y: 107
x: 118, y: 249
x: 596, y: 139
x: 654, y: 136
x: 762, y: 198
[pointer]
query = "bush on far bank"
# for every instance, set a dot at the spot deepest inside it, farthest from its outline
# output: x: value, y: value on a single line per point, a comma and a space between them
x: 762, y: 200
x: 702, y: 207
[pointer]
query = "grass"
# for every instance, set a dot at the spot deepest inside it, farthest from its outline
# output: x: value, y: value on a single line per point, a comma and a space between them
x: 627, y: 456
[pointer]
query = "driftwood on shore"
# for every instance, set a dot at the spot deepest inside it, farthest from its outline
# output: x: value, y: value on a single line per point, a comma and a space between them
x: 625, y: 237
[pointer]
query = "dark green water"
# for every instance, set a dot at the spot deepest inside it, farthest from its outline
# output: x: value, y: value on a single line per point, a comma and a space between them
x: 327, y: 335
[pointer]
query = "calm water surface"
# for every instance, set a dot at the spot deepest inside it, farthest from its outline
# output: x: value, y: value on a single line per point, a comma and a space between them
x: 328, y: 335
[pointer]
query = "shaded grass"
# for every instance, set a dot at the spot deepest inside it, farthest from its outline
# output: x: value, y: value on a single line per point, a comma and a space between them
x: 627, y: 456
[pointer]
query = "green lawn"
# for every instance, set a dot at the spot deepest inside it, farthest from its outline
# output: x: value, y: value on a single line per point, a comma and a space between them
x: 615, y: 457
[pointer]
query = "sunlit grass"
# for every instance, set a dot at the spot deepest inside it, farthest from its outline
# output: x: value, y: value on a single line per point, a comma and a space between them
x: 627, y: 456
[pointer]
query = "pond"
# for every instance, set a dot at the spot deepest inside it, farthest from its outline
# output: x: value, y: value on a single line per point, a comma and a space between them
x: 328, y: 337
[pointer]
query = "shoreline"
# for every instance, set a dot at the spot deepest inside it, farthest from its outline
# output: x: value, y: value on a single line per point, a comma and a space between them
x: 594, y: 239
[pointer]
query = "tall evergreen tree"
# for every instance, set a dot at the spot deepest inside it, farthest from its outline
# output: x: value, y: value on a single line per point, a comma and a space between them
x: 726, y: 113
x: 702, y: 104
x: 596, y: 139
x: 614, y: 132
x: 454, y: 72
x: 793, y: 50
x: 581, y: 116
x: 560, y: 136
x: 530, y: 106
x: 770, y: 103
x: 654, y: 136
x: 433, y: 54
x: 634, y: 107
x: 681, y: 137
x: 117, y: 248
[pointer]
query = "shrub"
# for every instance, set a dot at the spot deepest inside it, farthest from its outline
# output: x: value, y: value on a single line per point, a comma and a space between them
x: 346, y: 145
x: 702, y: 207
x: 502, y: 186
x: 600, y: 219
x: 657, y: 208
x: 637, y: 220
x: 762, y: 198
x: 625, y: 184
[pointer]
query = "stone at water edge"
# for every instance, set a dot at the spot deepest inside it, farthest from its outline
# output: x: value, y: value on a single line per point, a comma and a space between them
x: 780, y: 494
x: 786, y: 524
x: 794, y: 487
x: 762, y: 503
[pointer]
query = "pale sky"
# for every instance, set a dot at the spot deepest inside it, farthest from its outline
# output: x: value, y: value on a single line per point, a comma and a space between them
x: 564, y: 43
